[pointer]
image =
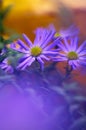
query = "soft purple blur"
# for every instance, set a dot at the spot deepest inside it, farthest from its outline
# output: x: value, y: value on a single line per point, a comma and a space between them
x: 22, y: 111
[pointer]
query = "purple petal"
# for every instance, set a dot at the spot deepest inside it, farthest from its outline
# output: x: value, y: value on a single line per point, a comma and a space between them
x: 20, y: 50
x: 27, y: 40
x: 24, y: 58
x: 82, y: 53
x: 66, y: 44
x: 50, y: 52
x: 71, y: 31
x: 82, y: 58
x: 5, y: 61
x: 83, y: 62
x: 24, y: 62
x: 50, y: 46
x: 44, y: 57
x: 62, y: 55
x: 31, y: 61
x: 3, y: 66
x: 44, y: 36
x: 28, y: 63
x: 12, y: 45
x: 11, y: 70
x: 74, y: 44
x: 38, y: 36
x: 8, y: 69
x: 60, y: 59
x: 22, y: 44
x: 74, y: 63
x: 41, y: 62
x: 63, y: 48
x: 49, y: 37
x: 82, y: 47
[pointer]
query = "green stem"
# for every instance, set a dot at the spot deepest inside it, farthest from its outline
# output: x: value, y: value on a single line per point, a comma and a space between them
x: 68, y: 70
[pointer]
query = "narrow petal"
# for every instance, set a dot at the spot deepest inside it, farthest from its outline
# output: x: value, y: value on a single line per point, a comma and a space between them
x: 38, y: 36
x: 82, y: 58
x: 83, y: 62
x: 50, y: 52
x: 24, y: 62
x: 5, y: 61
x: 49, y: 37
x: 77, y: 63
x: 50, y: 46
x: 27, y: 40
x: 62, y: 55
x: 62, y: 47
x: 22, y: 44
x: 82, y: 53
x: 74, y: 63
x: 67, y: 44
x: 20, y: 50
x: 8, y: 69
x: 71, y: 31
x: 60, y: 59
x: 24, y: 58
x: 3, y: 66
x: 44, y: 57
x: 28, y: 63
x: 82, y: 47
x: 41, y: 62
x: 74, y: 45
x: 31, y: 61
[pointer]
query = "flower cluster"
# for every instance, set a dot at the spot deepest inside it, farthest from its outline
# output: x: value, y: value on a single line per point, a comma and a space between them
x: 48, y: 46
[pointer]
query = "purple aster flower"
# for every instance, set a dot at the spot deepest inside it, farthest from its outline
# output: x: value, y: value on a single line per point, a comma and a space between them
x: 65, y: 33
x: 72, y: 53
x: 41, y: 49
x: 6, y: 66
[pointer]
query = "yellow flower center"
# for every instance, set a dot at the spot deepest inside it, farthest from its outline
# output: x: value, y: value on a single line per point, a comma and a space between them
x: 9, y: 62
x: 57, y: 35
x: 72, y: 55
x: 35, y: 51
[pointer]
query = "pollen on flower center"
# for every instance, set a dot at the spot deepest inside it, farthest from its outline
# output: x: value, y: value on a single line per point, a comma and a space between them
x: 57, y: 35
x: 72, y: 55
x: 35, y: 51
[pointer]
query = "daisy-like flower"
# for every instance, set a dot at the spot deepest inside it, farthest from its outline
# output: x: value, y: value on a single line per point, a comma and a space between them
x: 72, y: 53
x: 41, y: 49
x: 6, y: 66
x: 65, y: 33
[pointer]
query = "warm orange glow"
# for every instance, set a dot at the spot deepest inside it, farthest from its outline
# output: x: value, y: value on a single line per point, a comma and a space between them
x: 27, y: 15
x: 36, y: 6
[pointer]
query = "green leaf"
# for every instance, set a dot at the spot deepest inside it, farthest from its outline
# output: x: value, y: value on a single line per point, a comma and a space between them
x: 1, y: 45
x: 1, y: 39
x: 14, y: 37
